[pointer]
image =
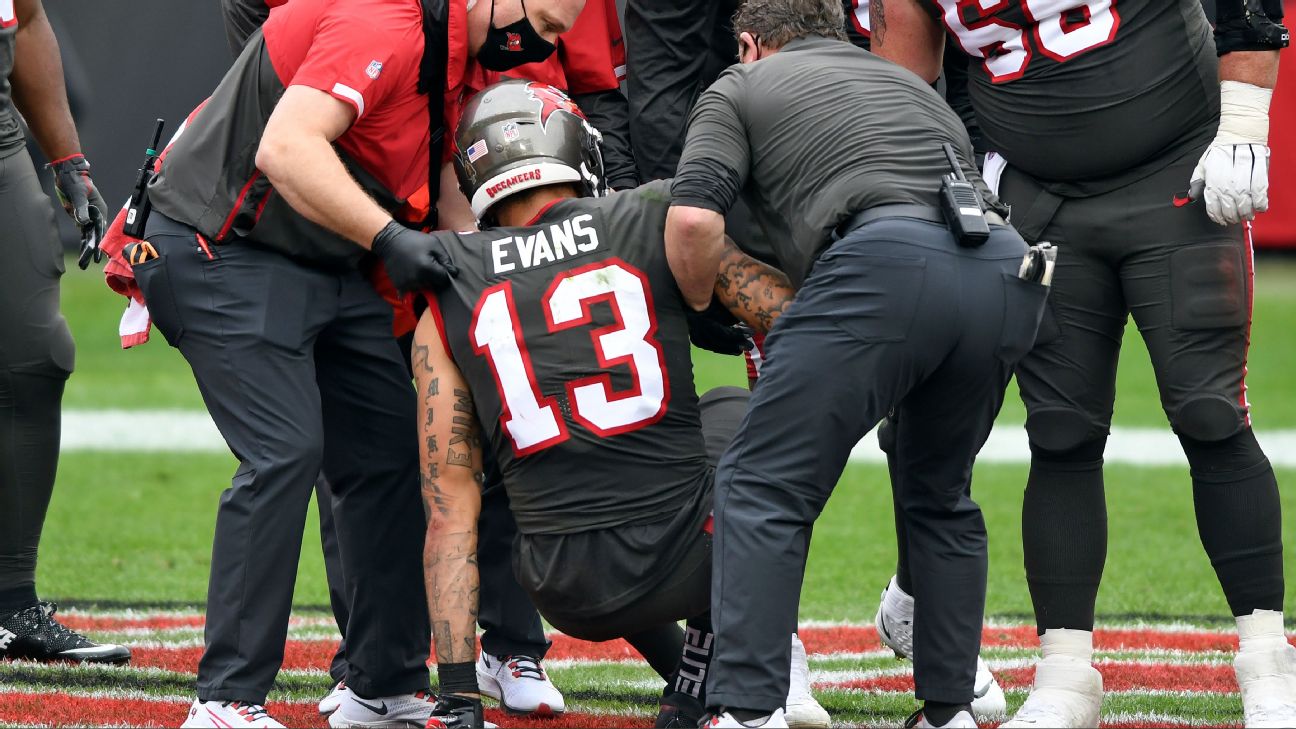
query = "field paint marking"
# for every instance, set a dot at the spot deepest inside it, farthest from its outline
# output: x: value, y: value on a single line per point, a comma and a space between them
x: 188, y: 431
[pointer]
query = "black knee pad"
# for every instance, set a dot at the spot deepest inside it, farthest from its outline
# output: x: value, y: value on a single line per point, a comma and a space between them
x: 1224, y: 459
x: 1208, y: 418
x: 1065, y: 434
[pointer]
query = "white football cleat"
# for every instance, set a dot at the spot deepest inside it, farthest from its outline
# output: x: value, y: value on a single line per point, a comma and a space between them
x: 802, y: 710
x: 330, y: 703
x: 988, y: 701
x: 1067, y: 693
x: 961, y: 720
x: 894, y: 621
x: 519, y: 684
x: 726, y: 720
x: 402, y: 710
x: 1267, y: 679
x: 226, y: 714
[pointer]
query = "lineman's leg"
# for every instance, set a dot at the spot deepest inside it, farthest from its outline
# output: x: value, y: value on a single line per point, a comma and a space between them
x: 837, y: 362
x: 35, y: 359
x: 371, y: 462
x: 1190, y: 289
x: 333, y: 574
x: 246, y: 322
x: 1068, y: 384
x: 1191, y: 297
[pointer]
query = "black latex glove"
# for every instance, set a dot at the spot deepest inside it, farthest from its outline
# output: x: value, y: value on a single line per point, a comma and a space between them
x: 452, y: 711
x: 710, y: 330
x: 83, y: 203
x: 415, y: 261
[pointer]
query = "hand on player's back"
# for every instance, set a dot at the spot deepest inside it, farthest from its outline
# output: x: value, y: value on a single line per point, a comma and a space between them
x: 414, y: 260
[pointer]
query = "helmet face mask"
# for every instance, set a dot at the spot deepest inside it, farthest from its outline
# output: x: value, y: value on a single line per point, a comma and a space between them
x: 517, y: 135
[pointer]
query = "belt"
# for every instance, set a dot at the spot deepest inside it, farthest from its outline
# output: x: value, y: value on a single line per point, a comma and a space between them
x: 928, y: 213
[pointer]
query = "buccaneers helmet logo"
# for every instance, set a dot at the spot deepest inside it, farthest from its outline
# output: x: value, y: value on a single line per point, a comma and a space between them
x: 513, y: 42
x: 551, y: 100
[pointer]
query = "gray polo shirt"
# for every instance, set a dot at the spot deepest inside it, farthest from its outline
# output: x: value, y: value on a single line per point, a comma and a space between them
x: 810, y: 136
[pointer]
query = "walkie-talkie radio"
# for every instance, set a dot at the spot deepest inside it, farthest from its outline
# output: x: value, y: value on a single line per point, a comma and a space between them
x: 961, y: 205
x: 137, y: 210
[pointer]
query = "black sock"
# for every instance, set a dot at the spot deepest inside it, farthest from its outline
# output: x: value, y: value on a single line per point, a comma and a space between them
x: 1064, y: 535
x: 696, y: 657
x: 19, y: 597
x: 661, y: 647
x: 1239, y: 519
x: 29, y: 448
x: 939, y: 714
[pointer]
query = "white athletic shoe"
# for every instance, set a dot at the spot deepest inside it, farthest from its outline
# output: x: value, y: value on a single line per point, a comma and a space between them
x: 802, y: 710
x: 725, y: 720
x: 330, y: 703
x: 520, y: 684
x: 1068, y: 692
x: 1267, y: 679
x: 402, y: 710
x: 961, y: 720
x: 894, y: 621
x: 226, y: 714
x: 988, y: 702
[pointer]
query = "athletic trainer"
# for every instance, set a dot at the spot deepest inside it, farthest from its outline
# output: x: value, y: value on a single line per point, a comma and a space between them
x: 282, y: 188
x: 841, y: 156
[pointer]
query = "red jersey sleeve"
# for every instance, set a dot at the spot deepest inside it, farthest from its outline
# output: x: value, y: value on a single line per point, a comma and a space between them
x: 593, y: 52
x: 359, y: 50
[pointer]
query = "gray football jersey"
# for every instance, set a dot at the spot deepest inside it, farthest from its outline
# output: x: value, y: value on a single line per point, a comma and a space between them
x: 11, y: 136
x: 573, y: 338
x: 1088, y: 95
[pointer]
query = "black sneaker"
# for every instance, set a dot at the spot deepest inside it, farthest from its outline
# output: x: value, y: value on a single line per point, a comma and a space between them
x: 34, y: 635
x: 679, y: 709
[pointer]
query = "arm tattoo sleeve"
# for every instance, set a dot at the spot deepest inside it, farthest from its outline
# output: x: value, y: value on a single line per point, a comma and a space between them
x: 755, y: 293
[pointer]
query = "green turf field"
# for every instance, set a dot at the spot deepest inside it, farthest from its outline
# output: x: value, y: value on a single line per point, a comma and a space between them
x: 132, y: 527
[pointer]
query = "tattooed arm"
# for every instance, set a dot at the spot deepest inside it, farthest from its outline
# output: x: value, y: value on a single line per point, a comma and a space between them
x: 905, y: 33
x: 451, y: 473
x: 755, y: 293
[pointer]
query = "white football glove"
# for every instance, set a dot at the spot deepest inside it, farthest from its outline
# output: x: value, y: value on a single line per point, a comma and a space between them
x: 1233, y: 174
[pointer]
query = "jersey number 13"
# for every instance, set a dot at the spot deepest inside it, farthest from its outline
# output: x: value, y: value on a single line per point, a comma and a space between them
x: 531, y: 419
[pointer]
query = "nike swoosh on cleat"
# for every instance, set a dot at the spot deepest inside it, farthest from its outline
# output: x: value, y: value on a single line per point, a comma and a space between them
x: 380, y: 710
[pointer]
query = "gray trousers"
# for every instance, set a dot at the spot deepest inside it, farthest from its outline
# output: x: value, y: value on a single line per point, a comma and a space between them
x: 36, y: 357
x: 893, y: 315
x: 301, y: 374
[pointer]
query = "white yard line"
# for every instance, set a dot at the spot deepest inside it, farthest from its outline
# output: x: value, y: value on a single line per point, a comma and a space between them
x: 145, y: 431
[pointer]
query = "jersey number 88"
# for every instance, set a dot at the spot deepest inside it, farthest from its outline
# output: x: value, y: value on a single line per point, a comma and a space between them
x: 1062, y: 30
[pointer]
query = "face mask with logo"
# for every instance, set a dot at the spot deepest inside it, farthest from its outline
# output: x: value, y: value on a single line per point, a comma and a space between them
x: 513, y: 45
